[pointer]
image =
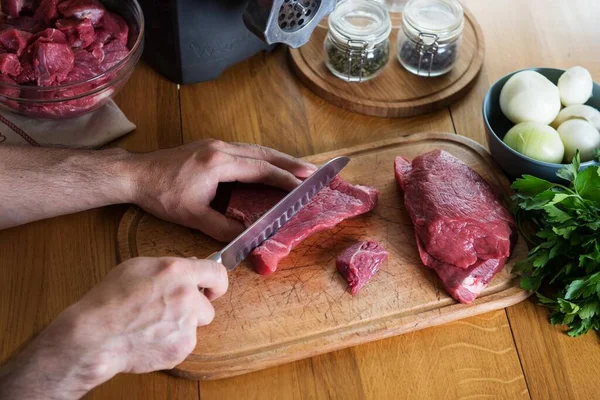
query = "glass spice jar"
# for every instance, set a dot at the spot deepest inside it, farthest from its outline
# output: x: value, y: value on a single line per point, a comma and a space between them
x: 357, y: 46
x: 429, y: 39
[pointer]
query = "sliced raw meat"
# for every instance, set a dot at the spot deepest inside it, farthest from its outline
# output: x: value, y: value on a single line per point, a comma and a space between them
x: 47, y: 12
x: 359, y: 263
x: 112, y: 26
x: 335, y: 203
x: 82, y: 9
x: 10, y: 65
x: 459, y: 220
x: 14, y: 41
x: 80, y: 34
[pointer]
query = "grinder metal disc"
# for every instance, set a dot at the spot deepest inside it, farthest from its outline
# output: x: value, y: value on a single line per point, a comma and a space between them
x: 294, y: 14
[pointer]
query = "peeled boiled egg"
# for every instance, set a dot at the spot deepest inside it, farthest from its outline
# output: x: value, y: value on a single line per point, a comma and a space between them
x: 578, y: 134
x: 575, y: 86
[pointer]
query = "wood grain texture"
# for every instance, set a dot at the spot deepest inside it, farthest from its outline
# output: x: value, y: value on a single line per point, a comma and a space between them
x: 305, y: 309
x: 541, y: 33
x: 395, y: 92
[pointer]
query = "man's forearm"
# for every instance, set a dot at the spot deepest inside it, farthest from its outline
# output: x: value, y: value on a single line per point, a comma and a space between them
x: 40, y: 183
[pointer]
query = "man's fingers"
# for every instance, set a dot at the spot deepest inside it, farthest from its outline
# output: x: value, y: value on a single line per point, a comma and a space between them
x: 210, y: 276
x: 206, y: 311
x: 297, y: 167
x: 216, y: 225
x: 249, y: 170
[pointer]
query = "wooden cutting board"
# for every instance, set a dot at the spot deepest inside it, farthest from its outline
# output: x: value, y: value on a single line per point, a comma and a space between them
x: 304, y: 309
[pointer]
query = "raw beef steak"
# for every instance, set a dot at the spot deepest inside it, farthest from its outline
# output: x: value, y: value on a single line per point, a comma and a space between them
x: 335, y: 203
x: 359, y: 262
x: 462, y: 229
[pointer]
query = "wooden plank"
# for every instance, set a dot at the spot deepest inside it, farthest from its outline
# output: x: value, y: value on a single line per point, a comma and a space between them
x: 538, y: 33
x: 304, y: 310
x: 261, y: 101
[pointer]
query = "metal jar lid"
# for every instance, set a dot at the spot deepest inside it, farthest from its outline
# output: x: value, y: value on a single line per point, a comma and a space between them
x: 360, y: 21
x: 439, y: 19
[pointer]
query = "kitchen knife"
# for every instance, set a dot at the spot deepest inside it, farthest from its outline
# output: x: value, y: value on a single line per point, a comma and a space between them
x: 267, y: 225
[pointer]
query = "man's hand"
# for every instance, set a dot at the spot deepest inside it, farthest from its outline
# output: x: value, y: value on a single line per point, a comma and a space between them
x: 178, y: 184
x: 142, y: 317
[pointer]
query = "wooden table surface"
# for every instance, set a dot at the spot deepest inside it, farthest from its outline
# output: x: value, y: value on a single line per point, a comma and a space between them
x: 512, y: 353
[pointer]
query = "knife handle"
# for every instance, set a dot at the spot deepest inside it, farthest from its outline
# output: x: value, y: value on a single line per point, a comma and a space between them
x: 216, y: 257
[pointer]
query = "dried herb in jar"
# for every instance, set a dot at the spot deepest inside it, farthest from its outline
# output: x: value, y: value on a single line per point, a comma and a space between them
x: 357, y: 65
x: 443, y: 58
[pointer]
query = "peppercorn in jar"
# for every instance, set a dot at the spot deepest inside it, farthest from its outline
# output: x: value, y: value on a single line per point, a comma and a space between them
x: 357, y: 46
x: 429, y: 39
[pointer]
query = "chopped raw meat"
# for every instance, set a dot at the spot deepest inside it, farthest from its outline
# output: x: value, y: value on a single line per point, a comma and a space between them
x: 24, y: 23
x: 27, y: 74
x: 91, y: 10
x: 78, y: 33
x: 12, y: 8
x: 47, y: 12
x: 462, y: 229
x: 14, y: 41
x: 9, y: 92
x: 114, y: 53
x: 359, y: 263
x: 97, y: 50
x: 112, y: 26
x: 51, y: 35
x: 85, y: 67
x: 52, y: 62
x: 10, y: 65
x: 335, y: 203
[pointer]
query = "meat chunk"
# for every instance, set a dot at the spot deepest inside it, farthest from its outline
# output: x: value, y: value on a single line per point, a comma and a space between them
x: 51, y: 62
x: 335, y: 203
x: 10, y: 65
x: 47, y: 12
x: 114, y: 52
x: 460, y: 223
x: 80, y: 34
x: 14, y: 41
x: 359, y: 263
x: 91, y: 10
x: 249, y: 202
x: 24, y: 23
x: 112, y: 26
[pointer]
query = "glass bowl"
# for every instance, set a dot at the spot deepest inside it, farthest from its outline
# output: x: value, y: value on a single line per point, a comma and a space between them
x: 79, y: 98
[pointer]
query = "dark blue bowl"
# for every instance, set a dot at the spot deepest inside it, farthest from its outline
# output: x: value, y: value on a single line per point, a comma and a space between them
x: 497, y: 125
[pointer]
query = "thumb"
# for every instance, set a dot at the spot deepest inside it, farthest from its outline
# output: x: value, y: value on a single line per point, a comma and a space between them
x: 216, y: 225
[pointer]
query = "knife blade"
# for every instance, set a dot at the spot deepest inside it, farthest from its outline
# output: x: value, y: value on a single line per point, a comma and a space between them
x: 267, y: 225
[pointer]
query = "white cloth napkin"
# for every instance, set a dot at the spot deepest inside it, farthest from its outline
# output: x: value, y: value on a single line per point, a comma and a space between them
x: 88, y: 131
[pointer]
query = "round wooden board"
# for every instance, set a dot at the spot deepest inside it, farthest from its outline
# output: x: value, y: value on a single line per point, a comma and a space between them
x: 304, y: 309
x: 396, y: 92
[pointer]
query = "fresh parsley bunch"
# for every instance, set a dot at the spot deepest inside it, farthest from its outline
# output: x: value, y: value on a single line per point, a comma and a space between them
x: 565, y: 256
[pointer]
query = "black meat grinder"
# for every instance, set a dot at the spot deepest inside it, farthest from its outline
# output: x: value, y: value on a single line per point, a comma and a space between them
x: 191, y: 41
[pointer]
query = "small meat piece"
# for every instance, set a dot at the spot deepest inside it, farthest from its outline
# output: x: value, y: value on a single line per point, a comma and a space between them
x: 91, y: 10
x: 52, y: 62
x: 97, y: 50
x: 10, y: 65
x: 50, y: 35
x: 85, y: 67
x: 112, y: 26
x: 14, y: 41
x: 334, y: 204
x: 114, y: 52
x: 27, y: 74
x: 359, y: 263
x: 47, y: 12
x: 12, y: 8
x: 460, y: 223
x: 80, y: 34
